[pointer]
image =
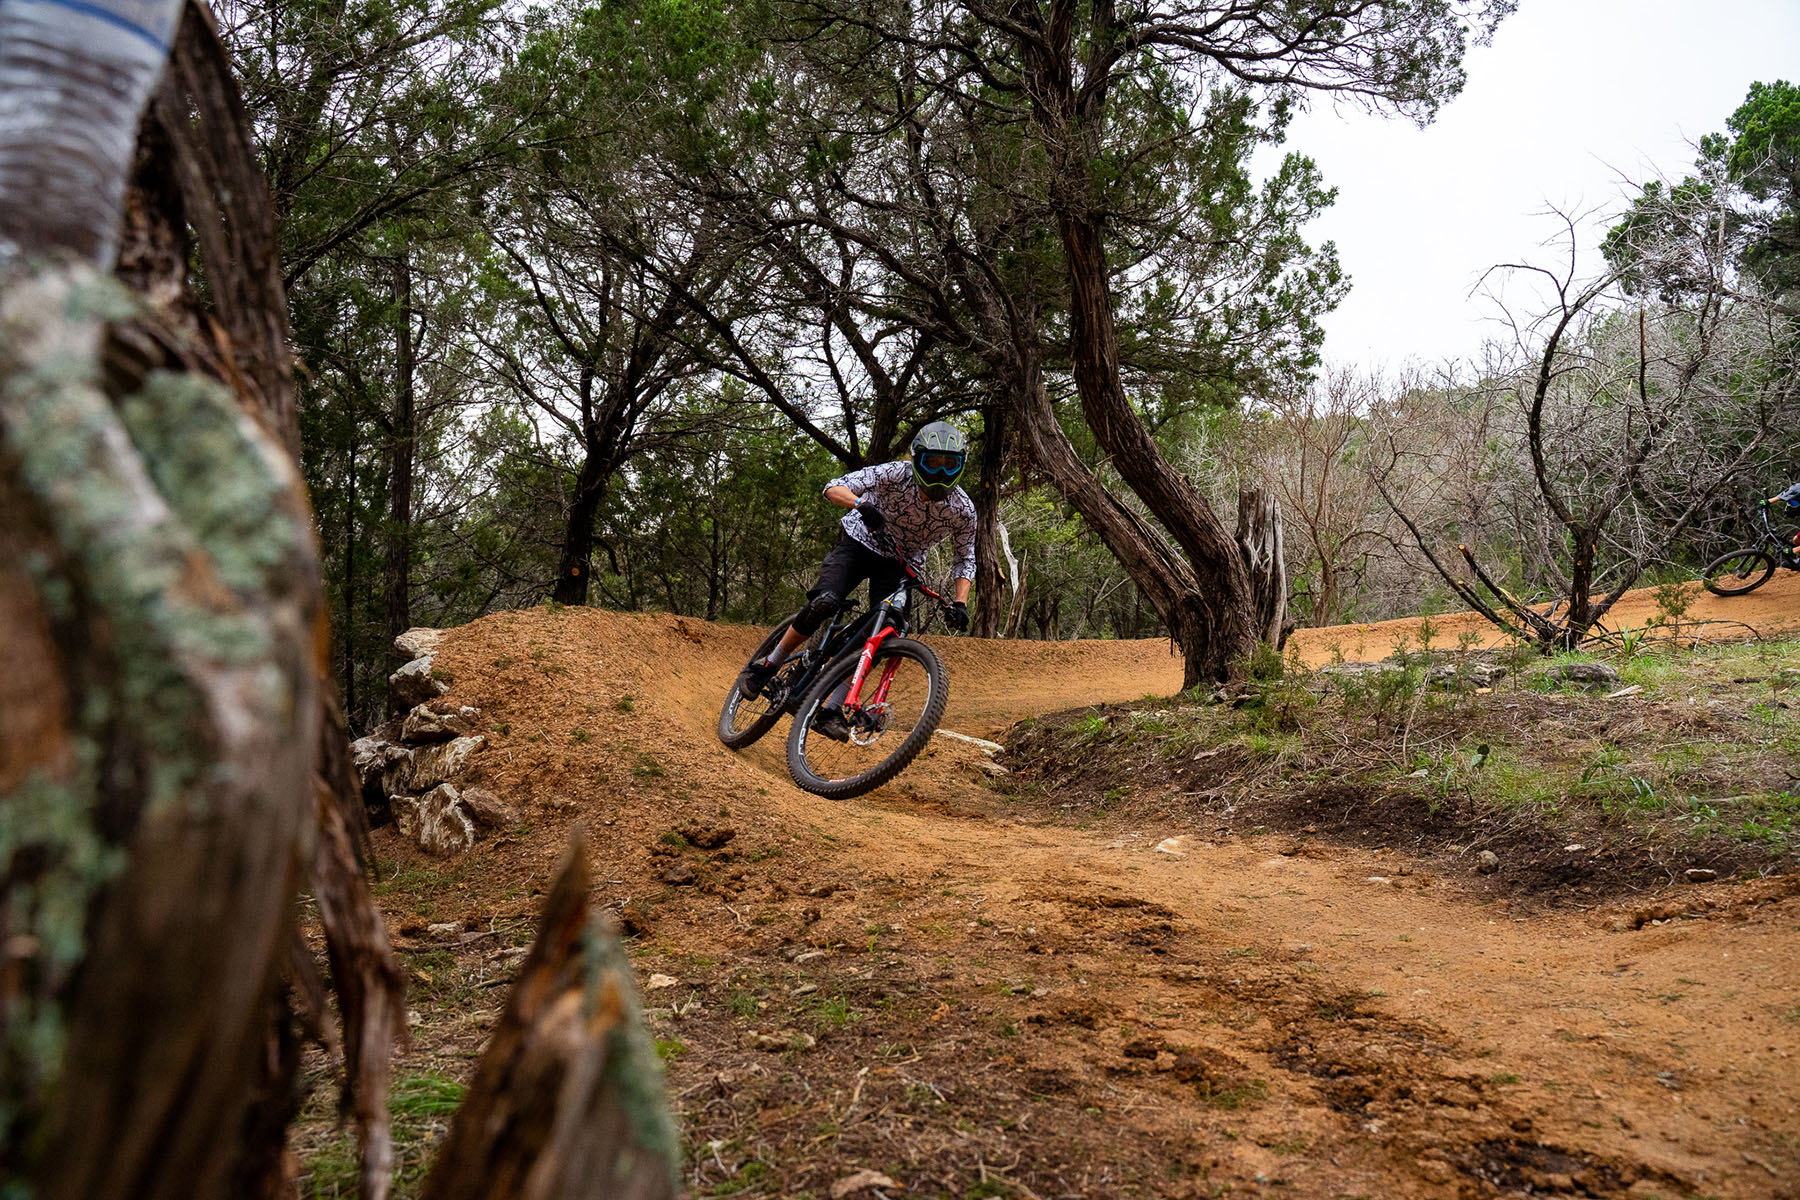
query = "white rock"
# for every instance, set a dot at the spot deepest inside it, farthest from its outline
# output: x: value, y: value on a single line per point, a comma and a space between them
x: 1177, y: 845
x: 981, y: 744
x: 418, y: 642
x: 406, y: 816
x: 861, y: 1181
x: 413, y: 684
x: 429, y: 766
x: 438, y: 822
x: 1590, y: 674
x: 657, y: 983
x: 370, y: 759
x: 429, y: 723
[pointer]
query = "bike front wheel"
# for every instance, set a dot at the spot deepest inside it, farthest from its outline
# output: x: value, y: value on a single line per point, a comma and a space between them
x: 886, y: 730
x: 1738, y: 572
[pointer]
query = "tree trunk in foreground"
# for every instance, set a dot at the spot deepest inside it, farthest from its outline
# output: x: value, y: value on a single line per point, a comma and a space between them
x: 567, y: 1101
x: 172, y: 761
x: 160, y: 578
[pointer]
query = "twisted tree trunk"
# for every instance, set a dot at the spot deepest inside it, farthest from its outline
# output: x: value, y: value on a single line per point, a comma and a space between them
x: 184, y: 767
x: 1207, y: 600
x: 990, y: 585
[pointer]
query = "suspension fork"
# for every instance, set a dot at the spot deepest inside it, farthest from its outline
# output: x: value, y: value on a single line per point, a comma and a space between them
x: 884, y: 630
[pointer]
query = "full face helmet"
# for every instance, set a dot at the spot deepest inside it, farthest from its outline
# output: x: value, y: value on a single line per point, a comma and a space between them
x: 938, y: 453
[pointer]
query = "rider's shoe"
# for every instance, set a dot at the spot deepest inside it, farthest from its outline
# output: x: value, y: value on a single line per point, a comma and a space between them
x: 831, y: 723
x: 754, y: 679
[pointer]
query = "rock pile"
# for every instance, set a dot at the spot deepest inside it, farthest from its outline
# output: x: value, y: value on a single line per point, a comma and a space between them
x: 418, y: 765
x: 1458, y: 674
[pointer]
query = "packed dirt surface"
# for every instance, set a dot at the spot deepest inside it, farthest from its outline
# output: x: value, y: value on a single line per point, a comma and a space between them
x: 927, y: 985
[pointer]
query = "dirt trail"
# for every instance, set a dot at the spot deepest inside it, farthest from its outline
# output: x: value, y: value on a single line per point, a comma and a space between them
x: 1248, y: 1015
x: 1770, y: 609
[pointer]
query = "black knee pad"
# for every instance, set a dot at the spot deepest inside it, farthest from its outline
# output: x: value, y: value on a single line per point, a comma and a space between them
x: 817, y: 611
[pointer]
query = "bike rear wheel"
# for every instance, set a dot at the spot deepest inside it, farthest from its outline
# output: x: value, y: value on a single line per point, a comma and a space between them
x: 884, y: 737
x: 1739, y: 572
x: 744, y: 719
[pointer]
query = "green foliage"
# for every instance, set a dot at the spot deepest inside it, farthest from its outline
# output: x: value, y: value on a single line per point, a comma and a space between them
x: 1749, y: 181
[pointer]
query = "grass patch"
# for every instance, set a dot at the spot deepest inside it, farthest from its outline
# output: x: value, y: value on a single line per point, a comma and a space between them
x: 1235, y: 1095
x: 1695, y: 762
x: 420, y: 1105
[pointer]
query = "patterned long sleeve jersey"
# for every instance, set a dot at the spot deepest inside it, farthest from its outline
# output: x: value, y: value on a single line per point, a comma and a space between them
x: 914, y: 522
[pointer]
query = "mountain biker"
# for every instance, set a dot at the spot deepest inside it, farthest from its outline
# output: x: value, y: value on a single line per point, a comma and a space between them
x: 1791, y: 499
x: 916, y: 503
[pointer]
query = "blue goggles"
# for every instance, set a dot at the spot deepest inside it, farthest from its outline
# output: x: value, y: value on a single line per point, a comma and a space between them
x: 939, y: 464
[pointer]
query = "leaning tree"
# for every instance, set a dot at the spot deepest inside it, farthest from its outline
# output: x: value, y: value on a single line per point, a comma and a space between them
x: 1062, y: 192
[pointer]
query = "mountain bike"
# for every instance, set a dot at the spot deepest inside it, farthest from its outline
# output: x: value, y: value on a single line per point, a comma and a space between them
x: 1741, y: 571
x: 888, y: 690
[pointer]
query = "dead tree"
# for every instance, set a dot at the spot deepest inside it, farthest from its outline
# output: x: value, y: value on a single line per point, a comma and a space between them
x: 1627, y: 422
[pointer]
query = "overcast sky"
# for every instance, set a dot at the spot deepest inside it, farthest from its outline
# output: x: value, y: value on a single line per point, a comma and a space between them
x: 1573, y: 98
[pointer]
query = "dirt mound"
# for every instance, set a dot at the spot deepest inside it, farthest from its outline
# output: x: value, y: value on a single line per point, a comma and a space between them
x: 935, y: 983
x: 1596, y: 832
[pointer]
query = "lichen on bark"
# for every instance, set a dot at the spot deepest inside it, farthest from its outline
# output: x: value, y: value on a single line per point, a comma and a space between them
x: 171, y: 562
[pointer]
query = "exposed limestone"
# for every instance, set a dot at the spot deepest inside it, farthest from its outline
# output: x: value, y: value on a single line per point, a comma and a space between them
x: 436, y: 821
x: 418, y: 642
x: 1593, y: 675
x: 437, y: 722
x: 413, y: 683
x: 429, y: 766
x: 374, y: 761
x: 1458, y: 676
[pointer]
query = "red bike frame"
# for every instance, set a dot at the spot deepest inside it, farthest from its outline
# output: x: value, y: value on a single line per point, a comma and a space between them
x: 852, y: 698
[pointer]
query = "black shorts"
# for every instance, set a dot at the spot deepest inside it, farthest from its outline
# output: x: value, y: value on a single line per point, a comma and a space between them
x: 847, y: 564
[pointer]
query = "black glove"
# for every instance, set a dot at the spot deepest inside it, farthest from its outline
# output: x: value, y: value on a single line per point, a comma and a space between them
x: 873, y: 521
x: 957, y: 616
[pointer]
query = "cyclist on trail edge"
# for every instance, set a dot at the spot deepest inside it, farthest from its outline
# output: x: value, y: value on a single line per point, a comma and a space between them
x: 917, y: 504
x: 1791, y: 498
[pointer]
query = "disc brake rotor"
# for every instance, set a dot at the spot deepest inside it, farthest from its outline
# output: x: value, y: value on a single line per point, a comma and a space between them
x: 870, y: 724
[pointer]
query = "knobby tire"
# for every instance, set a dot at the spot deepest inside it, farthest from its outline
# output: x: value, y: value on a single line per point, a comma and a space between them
x: 732, y: 736
x: 1739, y: 572
x: 908, y: 748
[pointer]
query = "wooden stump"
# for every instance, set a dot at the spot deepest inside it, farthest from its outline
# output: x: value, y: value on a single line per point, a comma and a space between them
x: 567, y: 1101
